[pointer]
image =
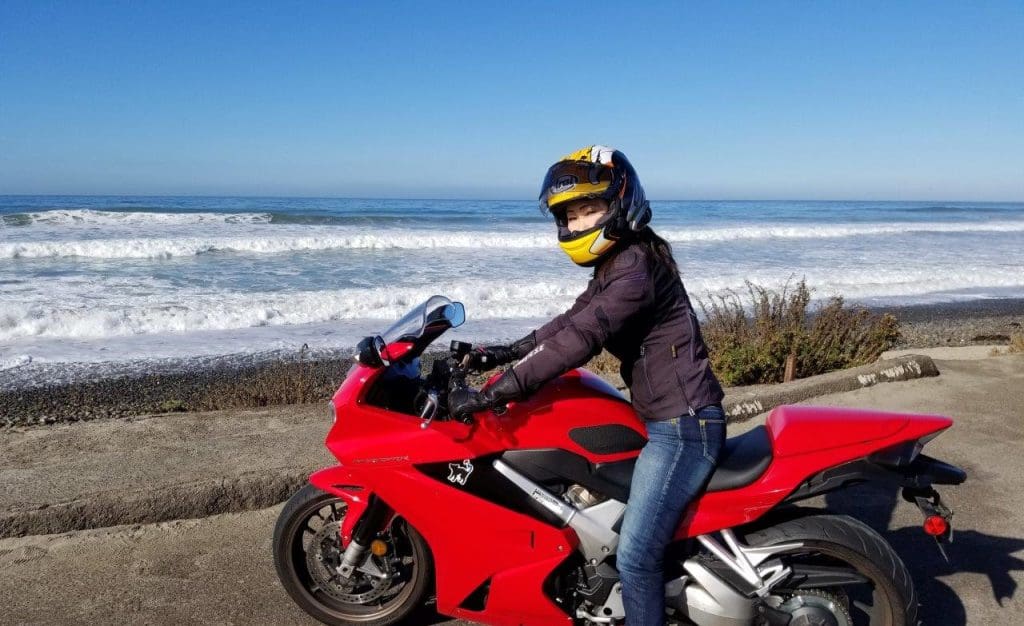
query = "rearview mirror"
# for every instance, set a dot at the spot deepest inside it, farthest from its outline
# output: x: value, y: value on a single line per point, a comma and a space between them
x: 456, y: 314
x: 373, y: 352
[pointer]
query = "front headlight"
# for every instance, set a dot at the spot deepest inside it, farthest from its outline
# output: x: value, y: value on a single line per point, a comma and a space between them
x: 334, y: 412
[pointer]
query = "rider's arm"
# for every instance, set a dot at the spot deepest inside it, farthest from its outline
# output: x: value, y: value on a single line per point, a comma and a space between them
x: 487, y: 357
x: 626, y: 289
x: 562, y: 319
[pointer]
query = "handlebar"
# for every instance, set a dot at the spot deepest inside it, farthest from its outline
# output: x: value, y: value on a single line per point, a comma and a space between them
x: 447, y: 377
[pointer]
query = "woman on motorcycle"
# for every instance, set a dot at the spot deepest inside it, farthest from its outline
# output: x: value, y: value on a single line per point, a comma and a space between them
x: 636, y: 307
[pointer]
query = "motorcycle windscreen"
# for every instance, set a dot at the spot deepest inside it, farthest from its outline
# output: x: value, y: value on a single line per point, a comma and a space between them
x: 436, y: 313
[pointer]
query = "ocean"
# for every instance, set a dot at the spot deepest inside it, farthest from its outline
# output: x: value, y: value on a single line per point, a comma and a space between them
x: 116, y: 278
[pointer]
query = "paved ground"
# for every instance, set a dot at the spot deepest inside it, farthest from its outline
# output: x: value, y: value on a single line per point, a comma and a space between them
x: 986, y: 398
x: 218, y: 570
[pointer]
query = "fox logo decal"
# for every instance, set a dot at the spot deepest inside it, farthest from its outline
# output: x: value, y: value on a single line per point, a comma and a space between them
x: 459, y: 472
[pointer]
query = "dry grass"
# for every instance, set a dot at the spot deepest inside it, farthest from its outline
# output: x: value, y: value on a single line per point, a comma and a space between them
x: 750, y: 337
x: 1016, y: 345
x: 604, y: 364
x: 272, y: 384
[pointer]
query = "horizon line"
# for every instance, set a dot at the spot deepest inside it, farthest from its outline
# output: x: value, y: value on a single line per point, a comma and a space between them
x: 477, y: 199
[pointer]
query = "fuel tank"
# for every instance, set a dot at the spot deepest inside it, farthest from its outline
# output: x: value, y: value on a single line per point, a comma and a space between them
x: 580, y: 413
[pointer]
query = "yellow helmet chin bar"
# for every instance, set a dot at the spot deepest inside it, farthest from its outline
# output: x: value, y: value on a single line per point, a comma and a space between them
x: 587, y: 249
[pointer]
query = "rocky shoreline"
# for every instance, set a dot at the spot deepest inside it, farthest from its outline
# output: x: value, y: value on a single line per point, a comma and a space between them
x: 958, y: 323
x: 37, y: 394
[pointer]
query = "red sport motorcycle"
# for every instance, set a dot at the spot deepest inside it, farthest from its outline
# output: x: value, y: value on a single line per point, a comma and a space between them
x: 512, y: 517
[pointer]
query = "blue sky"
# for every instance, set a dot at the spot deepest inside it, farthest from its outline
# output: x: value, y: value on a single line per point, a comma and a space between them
x: 723, y: 100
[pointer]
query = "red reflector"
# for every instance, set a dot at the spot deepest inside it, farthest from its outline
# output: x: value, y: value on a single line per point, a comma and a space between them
x: 935, y: 526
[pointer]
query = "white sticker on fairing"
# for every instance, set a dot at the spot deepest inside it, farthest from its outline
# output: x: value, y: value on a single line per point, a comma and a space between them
x: 459, y: 472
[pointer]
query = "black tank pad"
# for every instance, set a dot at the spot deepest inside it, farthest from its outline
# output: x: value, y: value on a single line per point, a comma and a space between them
x: 743, y: 460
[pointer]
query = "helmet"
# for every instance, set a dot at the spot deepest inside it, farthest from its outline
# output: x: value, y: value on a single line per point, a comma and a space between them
x: 595, y: 172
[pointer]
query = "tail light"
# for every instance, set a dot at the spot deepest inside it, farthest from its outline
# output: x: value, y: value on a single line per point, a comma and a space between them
x: 936, y: 525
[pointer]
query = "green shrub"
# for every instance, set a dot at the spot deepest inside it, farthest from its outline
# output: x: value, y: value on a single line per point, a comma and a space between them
x: 750, y: 342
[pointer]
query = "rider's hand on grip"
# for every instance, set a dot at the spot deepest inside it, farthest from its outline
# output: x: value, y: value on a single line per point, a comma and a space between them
x: 485, y: 358
x: 464, y: 402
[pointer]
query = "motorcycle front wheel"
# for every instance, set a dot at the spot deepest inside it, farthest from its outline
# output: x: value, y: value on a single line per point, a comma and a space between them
x: 386, y: 589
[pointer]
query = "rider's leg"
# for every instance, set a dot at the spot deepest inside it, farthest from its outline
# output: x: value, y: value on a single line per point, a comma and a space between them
x: 672, y: 469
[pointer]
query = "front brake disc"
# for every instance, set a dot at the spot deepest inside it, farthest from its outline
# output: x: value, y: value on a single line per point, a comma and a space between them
x: 323, y: 558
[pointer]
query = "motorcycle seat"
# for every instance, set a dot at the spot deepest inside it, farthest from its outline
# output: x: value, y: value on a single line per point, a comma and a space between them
x: 743, y: 460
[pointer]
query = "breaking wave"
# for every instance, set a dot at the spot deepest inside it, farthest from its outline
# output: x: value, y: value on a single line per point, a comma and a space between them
x: 260, y: 239
x: 80, y: 314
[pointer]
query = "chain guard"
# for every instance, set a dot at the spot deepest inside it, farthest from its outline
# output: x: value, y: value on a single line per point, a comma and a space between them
x: 816, y: 607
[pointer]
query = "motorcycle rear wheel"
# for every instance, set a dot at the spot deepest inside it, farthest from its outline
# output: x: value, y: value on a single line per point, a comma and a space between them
x: 307, y: 550
x: 886, y: 599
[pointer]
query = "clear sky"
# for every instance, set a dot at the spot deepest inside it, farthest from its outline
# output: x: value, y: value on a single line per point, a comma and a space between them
x: 717, y: 100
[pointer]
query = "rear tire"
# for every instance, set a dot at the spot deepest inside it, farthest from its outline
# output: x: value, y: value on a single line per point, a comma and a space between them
x: 838, y: 538
x: 306, y: 533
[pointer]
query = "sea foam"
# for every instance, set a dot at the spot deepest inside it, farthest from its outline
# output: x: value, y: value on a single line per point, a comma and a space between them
x: 77, y: 314
x: 282, y: 239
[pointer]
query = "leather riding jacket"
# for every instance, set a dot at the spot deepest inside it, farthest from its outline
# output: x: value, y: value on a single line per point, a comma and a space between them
x: 638, y: 309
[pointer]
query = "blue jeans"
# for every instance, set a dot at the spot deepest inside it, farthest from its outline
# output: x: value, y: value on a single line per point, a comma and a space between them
x: 672, y: 470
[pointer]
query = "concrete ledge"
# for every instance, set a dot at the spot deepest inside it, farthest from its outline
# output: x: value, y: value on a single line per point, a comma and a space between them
x: 115, y: 508
x: 87, y: 475
x: 743, y: 403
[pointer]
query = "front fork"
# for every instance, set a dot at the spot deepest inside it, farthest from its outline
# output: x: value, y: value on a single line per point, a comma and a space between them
x: 372, y: 521
x: 365, y: 514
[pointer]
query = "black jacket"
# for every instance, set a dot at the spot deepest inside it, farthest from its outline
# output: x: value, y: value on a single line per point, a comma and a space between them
x: 639, y: 310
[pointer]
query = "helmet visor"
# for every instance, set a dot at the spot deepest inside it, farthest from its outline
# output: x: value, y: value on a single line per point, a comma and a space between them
x: 575, y: 180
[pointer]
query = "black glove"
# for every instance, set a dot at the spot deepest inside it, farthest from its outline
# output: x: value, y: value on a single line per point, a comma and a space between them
x: 464, y: 402
x: 489, y: 357
x: 484, y: 358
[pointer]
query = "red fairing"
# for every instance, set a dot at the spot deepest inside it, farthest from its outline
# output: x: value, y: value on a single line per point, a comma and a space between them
x: 473, y: 540
x: 378, y: 449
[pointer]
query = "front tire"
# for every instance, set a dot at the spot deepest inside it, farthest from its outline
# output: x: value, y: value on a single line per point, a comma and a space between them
x: 307, y: 551
x: 887, y: 599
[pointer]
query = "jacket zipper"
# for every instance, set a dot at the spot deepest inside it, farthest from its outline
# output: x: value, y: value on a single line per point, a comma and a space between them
x: 647, y: 373
x: 682, y: 385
